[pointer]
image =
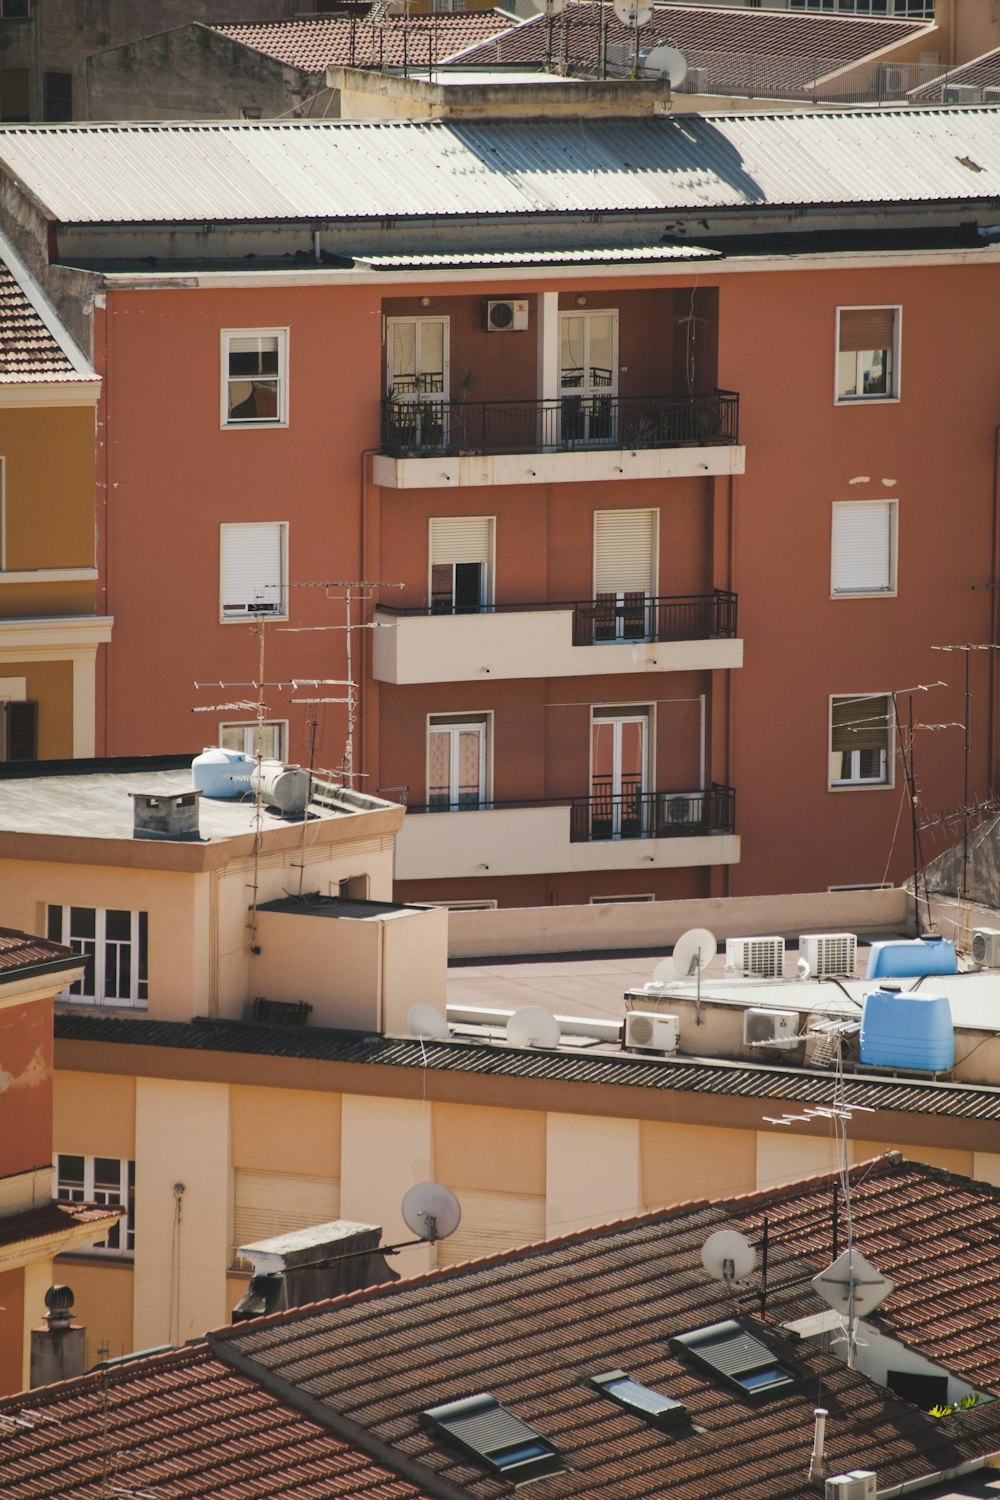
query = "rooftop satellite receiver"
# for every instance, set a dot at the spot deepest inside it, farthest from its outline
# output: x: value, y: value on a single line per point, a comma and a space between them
x: 663, y: 973
x: 634, y: 13
x: 693, y: 952
x: 728, y: 1256
x: 852, y: 1285
x: 533, y: 1027
x: 669, y: 63
x: 427, y: 1022
x: 431, y: 1210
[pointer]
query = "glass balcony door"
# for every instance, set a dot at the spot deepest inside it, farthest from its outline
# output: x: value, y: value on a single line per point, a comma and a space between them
x: 456, y: 765
x: 588, y: 377
x: 417, y: 377
x: 619, y: 775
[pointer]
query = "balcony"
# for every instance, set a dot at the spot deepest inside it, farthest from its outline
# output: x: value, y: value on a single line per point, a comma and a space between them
x: 631, y: 831
x: 430, y: 442
x: 579, y: 638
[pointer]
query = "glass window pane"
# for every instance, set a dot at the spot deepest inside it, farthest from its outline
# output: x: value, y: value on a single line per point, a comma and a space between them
x: 875, y: 371
x: 404, y: 352
x: 571, y: 350
x: 54, y: 924
x: 439, y: 758
x: 432, y: 355
x: 602, y: 349
x: 69, y: 1170
x: 469, y: 753
x: 118, y: 925
x: 107, y: 1174
x: 82, y: 922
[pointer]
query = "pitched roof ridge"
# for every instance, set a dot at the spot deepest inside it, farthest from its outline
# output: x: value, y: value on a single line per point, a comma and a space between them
x: 137, y: 1363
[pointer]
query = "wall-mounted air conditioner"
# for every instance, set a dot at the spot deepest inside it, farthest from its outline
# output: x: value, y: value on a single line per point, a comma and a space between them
x: 770, y: 1028
x: 646, y: 1032
x: 894, y: 82
x: 829, y: 953
x: 696, y: 81
x: 681, y: 807
x: 986, y: 947
x: 756, y: 957
x: 991, y: 95
x: 505, y: 317
x: 859, y: 1484
x: 962, y: 93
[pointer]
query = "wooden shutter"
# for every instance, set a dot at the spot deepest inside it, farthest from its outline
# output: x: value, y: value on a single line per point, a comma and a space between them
x: 269, y: 1203
x: 252, y: 571
x: 492, y: 1222
x: 625, y: 552
x: 863, y: 548
x: 462, y: 539
x: 866, y: 328
x: 860, y: 724
x: 20, y: 730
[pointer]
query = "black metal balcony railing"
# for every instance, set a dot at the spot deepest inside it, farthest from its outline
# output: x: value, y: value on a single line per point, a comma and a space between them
x: 632, y: 814
x: 633, y: 617
x: 423, y: 425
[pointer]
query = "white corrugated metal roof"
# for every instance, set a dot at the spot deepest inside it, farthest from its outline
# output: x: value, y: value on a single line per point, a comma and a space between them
x: 259, y: 170
x: 537, y: 257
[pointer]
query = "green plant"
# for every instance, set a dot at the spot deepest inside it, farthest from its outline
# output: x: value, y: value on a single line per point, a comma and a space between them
x: 965, y: 1402
x: 940, y: 1411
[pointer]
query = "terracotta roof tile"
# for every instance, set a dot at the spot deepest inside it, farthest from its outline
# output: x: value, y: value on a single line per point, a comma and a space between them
x: 52, y: 1218
x: 22, y: 950
x: 28, y: 351
x: 339, y: 41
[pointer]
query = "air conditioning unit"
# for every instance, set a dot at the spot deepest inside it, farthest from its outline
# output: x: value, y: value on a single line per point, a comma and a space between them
x: 991, y: 96
x: 678, y: 807
x: 756, y: 957
x: 894, y: 82
x: 505, y: 317
x: 859, y: 1484
x: 651, y: 1033
x: 961, y: 93
x: 829, y: 953
x: 770, y: 1028
x: 696, y: 81
x: 986, y: 947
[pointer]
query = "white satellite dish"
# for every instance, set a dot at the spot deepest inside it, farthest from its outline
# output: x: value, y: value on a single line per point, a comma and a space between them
x: 693, y: 952
x: 634, y: 13
x: 664, y: 972
x: 553, y: 7
x: 431, y: 1210
x: 851, y: 1285
x: 667, y: 62
x: 533, y: 1027
x: 426, y: 1021
x: 728, y: 1256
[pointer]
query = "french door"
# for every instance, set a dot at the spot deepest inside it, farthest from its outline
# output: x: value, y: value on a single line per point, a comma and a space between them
x: 417, y: 377
x: 619, y: 777
x: 588, y: 377
x: 456, y: 765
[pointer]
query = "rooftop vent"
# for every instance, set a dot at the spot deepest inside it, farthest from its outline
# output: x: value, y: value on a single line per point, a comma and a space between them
x: 662, y: 1411
x: 859, y: 1484
x: 162, y: 815
x: 482, y: 1428
x: 756, y: 957
x: 733, y: 1354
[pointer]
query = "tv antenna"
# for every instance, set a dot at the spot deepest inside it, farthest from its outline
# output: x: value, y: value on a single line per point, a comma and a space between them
x: 634, y: 14
x: 533, y: 1027
x: 693, y: 952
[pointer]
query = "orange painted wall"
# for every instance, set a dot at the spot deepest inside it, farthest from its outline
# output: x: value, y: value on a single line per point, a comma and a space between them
x: 25, y: 1087
x: 11, y: 1330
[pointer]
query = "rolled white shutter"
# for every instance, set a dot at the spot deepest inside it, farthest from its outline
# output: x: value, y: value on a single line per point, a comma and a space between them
x: 862, y: 548
x: 492, y: 1222
x: 269, y: 1203
x: 252, y: 568
x: 625, y: 552
x: 462, y: 539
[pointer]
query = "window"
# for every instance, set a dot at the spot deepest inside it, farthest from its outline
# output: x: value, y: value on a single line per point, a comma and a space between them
x: 457, y: 762
x: 662, y: 1411
x: 487, y: 1431
x: 18, y: 728
x: 861, y: 740
x: 625, y: 545
x: 114, y: 944
x: 15, y: 10
x: 418, y: 380
x: 255, y: 378
x: 868, y: 353
x: 252, y: 560
x: 736, y: 1356
x: 14, y: 94
x: 461, y: 564
x: 863, y: 550
x: 619, y: 900
x: 106, y: 1180
x: 57, y: 91
x: 619, y: 773
x: 264, y: 740
x: 588, y: 376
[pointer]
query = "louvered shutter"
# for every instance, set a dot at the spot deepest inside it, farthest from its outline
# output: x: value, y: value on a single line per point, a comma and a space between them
x: 625, y: 552
x: 492, y: 1222
x: 863, y: 548
x: 252, y: 570
x: 866, y: 328
x: 462, y: 539
x: 860, y: 723
x: 269, y: 1203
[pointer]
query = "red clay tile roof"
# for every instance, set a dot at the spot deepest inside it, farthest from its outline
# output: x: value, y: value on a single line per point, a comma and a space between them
x: 28, y: 352
x: 723, y: 29
x: 178, y: 1424
x: 21, y: 950
x: 339, y: 41
x: 52, y: 1218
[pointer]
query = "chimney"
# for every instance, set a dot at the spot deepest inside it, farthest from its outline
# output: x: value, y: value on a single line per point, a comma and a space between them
x: 165, y: 815
x: 308, y: 1265
x: 817, y: 1460
x: 58, y: 1351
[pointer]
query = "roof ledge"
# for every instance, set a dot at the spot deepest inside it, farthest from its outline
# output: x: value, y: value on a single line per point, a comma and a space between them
x: 369, y: 95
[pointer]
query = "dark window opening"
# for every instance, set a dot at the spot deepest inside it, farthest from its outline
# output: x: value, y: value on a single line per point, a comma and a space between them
x: 58, y: 96
x: 924, y: 1391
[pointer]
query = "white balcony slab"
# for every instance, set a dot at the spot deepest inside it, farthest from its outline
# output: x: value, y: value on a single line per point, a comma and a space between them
x: 525, y: 643
x: 536, y: 841
x: 591, y: 465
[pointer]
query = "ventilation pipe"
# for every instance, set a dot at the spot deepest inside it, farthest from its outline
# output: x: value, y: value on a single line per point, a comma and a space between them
x: 817, y: 1460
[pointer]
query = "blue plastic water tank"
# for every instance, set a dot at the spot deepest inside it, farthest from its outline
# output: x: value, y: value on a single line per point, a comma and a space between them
x: 908, y: 958
x: 907, y: 1031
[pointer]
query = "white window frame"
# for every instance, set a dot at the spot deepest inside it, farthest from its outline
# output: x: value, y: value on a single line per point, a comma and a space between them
x: 886, y: 593
x: 858, y: 783
x: 249, y: 729
x: 124, y: 1230
x: 75, y: 994
x: 486, y: 598
x: 895, y: 371
x: 227, y: 335
x: 240, y: 616
x: 481, y: 721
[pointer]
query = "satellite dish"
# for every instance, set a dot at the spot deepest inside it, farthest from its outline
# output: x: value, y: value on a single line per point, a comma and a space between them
x: 426, y: 1021
x: 693, y: 952
x: 432, y: 1211
x: 667, y: 62
x: 664, y: 972
x: 634, y: 13
x: 728, y: 1256
x: 533, y: 1027
x: 851, y: 1270
x: 553, y: 7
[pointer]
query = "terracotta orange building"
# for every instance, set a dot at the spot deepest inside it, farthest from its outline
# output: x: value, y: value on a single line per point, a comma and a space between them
x: 645, y: 438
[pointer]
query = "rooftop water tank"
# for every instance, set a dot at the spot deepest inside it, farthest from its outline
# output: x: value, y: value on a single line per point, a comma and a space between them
x: 222, y: 773
x: 909, y: 958
x: 909, y: 1030
x: 283, y: 787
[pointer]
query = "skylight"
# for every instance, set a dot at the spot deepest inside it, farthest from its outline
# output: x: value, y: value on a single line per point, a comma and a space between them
x: 487, y: 1431
x: 733, y: 1354
x: 662, y: 1411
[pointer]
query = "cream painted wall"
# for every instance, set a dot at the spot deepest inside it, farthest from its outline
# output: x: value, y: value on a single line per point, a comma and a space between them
x: 986, y: 1166
x: 181, y: 1136
x: 683, y: 1162
x: 276, y: 1130
x: 466, y: 1154
x: 414, y: 966
x: 103, y: 1288
x: 962, y: 1162
x: 387, y: 1147
x: 785, y: 1157
x: 93, y: 1114
x: 38, y: 1277
x: 592, y: 1172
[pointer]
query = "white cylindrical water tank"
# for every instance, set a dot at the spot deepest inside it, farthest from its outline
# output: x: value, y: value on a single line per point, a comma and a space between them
x: 222, y: 773
x: 281, y: 786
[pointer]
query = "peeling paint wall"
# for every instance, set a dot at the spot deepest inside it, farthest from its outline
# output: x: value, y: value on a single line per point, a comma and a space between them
x: 25, y: 1087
